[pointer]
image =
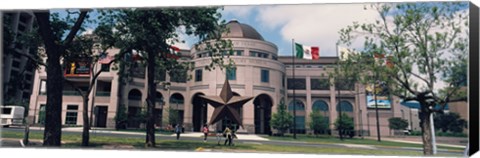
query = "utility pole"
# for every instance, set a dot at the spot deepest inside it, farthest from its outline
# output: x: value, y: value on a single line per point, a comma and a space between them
x: 294, y: 101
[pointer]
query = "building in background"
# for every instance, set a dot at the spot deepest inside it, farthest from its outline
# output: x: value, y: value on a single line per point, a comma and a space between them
x: 260, y: 73
x: 18, y: 71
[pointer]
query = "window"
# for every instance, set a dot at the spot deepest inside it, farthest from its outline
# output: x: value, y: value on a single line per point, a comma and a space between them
x: 253, y: 54
x: 232, y: 73
x: 15, y: 63
x: 309, y: 66
x: 198, y: 75
x: 6, y: 111
x: 274, y: 57
x: 344, y: 85
x: 265, y: 74
x: 41, y: 114
x: 43, y: 87
x: 283, y: 80
x: 239, y: 52
x: 319, y: 84
x: 298, y: 83
x: 299, y: 106
x: 258, y: 54
x: 105, y: 67
x: 71, y: 118
x: 346, y: 106
x: 180, y: 76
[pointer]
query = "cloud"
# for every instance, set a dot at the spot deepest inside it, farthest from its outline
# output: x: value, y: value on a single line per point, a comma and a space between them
x: 316, y: 25
x: 242, y: 12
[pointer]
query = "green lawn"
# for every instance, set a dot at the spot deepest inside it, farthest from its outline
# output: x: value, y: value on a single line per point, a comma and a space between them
x: 326, y: 139
x: 73, y: 141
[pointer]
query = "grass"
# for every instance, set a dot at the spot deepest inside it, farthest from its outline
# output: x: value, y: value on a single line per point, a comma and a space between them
x: 326, y: 139
x: 74, y: 140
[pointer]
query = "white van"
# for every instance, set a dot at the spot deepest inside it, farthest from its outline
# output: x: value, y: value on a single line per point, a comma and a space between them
x: 11, y: 115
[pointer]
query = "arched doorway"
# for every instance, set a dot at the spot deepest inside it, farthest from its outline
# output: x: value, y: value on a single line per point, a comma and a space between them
x: 134, y: 111
x: 299, y: 115
x: 176, y: 104
x: 226, y: 121
x: 322, y: 107
x: 199, y: 117
x: 262, y: 114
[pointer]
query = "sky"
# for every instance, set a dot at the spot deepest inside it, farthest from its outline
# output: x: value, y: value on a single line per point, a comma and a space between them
x: 307, y: 24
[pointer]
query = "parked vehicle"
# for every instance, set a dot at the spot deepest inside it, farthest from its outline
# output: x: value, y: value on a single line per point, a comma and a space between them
x: 11, y: 115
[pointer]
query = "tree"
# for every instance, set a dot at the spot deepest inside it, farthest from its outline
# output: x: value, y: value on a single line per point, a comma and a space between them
x: 52, y: 31
x: 397, y: 123
x: 173, y: 116
x: 282, y: 120
x: 344, y: 125
x: 429, y: 37
x: 449, y: 122
x: 152, y: 33
x: 318, y: 123
x: 121, y: 117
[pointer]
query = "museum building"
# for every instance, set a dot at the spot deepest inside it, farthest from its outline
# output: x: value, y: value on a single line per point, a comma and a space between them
x: 259, y: 73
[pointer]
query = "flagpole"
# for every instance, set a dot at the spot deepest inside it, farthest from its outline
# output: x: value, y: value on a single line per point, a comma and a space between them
x: 338, y: 93
x: 294, y: 101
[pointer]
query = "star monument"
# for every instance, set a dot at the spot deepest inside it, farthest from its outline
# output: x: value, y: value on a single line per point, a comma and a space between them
x: 226, y: 105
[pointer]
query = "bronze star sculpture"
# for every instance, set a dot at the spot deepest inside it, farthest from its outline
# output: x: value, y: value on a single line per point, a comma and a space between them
x: 226, y: 105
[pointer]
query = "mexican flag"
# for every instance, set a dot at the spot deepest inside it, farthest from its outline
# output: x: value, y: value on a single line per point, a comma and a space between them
x: 307, y: 52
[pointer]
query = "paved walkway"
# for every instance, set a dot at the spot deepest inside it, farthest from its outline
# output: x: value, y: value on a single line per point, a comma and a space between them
x: 186, y: 134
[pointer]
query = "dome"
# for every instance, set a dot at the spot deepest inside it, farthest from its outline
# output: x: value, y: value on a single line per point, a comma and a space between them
x: 239, y: 30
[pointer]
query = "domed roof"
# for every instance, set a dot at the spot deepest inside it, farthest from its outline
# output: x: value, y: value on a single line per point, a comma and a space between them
x: 239, y: 30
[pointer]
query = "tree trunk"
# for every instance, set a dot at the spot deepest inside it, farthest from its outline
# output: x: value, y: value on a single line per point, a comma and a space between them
x: 152, y: 87
x: 426, y: 131
x: 86, y: 125
x: 53, y: 125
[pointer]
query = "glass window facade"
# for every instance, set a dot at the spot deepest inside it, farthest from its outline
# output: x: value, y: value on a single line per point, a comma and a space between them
x: 71, y: 117
x: 319, y: 84
x: 346, y: 106
x: 265, y: 75
x: 232, y: 74
x: 198, y: 75
x: 297, y: 83
x: 299, y: 106
x: 320, y: 105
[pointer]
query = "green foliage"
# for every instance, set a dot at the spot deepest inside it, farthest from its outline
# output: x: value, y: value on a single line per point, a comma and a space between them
x: 173, y: 116
x: 344, y: 125
x: 318, y: 122
x: 282, y: 120
x: 449, y: 122
x: 397, y: 123
x: 429, y: 37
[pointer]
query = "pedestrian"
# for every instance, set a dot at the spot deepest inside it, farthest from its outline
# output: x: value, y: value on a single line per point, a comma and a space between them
x: 178, y: 130
x: 228, y: 135
x: 205, y: 133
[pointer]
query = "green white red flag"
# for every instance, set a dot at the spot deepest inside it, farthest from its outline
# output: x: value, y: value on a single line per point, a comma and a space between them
x: 307, y: 52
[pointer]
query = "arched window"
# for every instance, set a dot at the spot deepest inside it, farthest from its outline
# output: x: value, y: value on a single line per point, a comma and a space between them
x: 346, y: 106
x: 176, y: 98
x: 158, y: 97
x: 299, y: 105
x: 134, y: 94
x: 320, y: 105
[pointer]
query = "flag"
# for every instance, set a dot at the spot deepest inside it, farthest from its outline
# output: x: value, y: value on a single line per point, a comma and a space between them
x: 174, y: 53
x: 344, y: 53
x: 307, y: 52
x: 104, y: 58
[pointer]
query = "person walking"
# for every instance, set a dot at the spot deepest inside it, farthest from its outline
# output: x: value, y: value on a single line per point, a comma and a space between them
x: 178, y: 130
x: 205, y: 133
x: 228, y: 135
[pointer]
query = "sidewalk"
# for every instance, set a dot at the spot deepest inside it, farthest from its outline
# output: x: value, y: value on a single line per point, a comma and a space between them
x: 186, y: 134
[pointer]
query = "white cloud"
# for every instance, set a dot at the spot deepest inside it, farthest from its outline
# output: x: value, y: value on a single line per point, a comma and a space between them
x: 316, y: 25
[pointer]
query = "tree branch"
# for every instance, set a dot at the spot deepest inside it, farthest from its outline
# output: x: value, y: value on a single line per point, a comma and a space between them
x: 75, y: 28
